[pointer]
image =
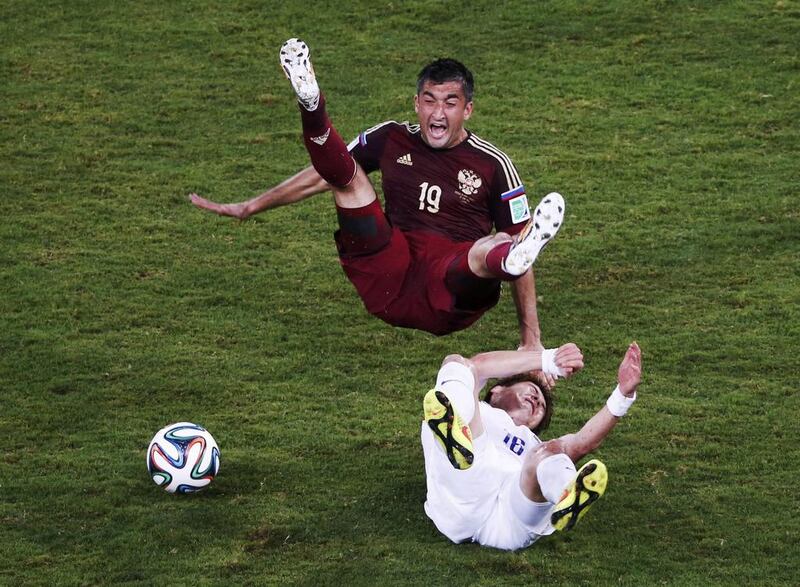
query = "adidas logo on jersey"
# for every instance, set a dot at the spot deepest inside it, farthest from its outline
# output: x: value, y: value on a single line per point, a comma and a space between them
x: 405, y: 159
x: 320, y: 140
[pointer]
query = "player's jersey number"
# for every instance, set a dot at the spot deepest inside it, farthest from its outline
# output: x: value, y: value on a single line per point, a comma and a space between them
x: 429, y: 197
x: 514, y: 444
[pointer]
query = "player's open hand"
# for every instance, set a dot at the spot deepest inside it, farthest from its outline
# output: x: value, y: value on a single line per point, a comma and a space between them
x: 569, y: 359
x: 630, y: 370
x: 238, y: 210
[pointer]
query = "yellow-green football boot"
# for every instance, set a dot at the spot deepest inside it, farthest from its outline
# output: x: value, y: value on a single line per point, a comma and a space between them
x: 589, y: 484
x: 452, y: 433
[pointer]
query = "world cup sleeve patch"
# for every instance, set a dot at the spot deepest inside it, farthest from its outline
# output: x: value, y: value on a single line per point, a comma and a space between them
x: 519, y: 209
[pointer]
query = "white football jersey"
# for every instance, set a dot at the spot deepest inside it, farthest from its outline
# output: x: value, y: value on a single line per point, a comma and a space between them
x: 461, y: 502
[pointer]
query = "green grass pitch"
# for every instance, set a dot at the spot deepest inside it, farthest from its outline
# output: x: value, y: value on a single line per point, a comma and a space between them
x: 671, y: 128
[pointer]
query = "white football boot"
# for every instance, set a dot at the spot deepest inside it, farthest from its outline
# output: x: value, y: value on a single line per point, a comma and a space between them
x: 539, y: 230
x: 296, y: 63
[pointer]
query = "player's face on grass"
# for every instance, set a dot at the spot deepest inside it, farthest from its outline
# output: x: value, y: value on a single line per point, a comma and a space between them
x: 523, y: 402
x: 441, y: 110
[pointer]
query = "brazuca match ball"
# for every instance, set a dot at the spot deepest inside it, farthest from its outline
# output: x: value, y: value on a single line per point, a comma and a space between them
x: 183, y: 457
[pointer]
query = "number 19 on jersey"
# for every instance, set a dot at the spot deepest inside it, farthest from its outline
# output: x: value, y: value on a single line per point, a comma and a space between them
x: 429, y: 197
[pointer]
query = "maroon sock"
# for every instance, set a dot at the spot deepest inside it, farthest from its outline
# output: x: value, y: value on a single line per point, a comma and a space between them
x: 494, y: 261
x: 329, y: 154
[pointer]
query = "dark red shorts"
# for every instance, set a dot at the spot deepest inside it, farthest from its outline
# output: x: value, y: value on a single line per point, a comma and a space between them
x: 417, y: 280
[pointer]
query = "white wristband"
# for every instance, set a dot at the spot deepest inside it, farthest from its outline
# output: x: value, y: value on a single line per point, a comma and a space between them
x: 549, y: 366
x: 618, y: 404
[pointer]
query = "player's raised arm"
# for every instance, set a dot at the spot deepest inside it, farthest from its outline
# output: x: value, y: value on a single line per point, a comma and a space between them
x: 300, y: 186
x: 588, y: 438
x: 561, y: 362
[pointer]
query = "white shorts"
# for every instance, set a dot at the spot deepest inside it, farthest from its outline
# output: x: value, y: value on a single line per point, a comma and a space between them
x: 484, y: 503
x: 505, y: 529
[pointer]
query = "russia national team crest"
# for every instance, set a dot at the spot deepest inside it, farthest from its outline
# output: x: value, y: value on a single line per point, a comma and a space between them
x: 469, y: 182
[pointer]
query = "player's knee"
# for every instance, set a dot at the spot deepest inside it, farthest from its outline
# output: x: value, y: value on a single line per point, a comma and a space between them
x: 483, y: 246
x: 543, y: 451
x: 455, y: 359
x: 481, y: 241
x: 358, y: 192
x: 487, y: 243
x: 476, y: 256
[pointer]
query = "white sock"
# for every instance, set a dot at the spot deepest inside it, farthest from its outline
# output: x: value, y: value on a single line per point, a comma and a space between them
x: 463, y: 401
x: 554, y: 474
x: 457, y: 382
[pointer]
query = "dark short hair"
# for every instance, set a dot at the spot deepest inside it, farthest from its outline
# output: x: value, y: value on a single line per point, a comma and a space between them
x: 547, y: 395
x: 447, y: 70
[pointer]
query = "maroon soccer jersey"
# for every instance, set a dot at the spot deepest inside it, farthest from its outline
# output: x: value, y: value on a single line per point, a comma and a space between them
x: 461, y: 193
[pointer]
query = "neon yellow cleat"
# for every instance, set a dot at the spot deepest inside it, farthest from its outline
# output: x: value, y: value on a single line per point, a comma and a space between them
x: 453, y: 434
x: 589, y: 484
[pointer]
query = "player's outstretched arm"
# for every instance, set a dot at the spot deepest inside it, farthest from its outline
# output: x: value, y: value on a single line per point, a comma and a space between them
x: 294, y: 189
x: 563, y: 361
x: 589, y: 438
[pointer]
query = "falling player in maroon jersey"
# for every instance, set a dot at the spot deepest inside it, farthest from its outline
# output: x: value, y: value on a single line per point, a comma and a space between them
x: 430, y: 261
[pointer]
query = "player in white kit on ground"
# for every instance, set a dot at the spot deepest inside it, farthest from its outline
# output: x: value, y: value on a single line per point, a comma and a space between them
x: 490, y: 478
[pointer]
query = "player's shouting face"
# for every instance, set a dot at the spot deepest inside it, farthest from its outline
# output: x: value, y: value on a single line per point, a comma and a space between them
x: 441, y: 111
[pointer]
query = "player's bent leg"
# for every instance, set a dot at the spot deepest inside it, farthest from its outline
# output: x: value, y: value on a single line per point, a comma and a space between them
x: 482, y: 255
x: 534, y: 514
x: 450, y: 431
x: 587, y: 487
x: 328, y: 152
x: 540, y: 229
x: 546, y: 471
x: 469, y: 292
x: 326, y: 149
x: 548, y: 475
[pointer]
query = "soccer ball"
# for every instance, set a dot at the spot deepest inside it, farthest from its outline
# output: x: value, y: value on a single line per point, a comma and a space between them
x: 183, y: 457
